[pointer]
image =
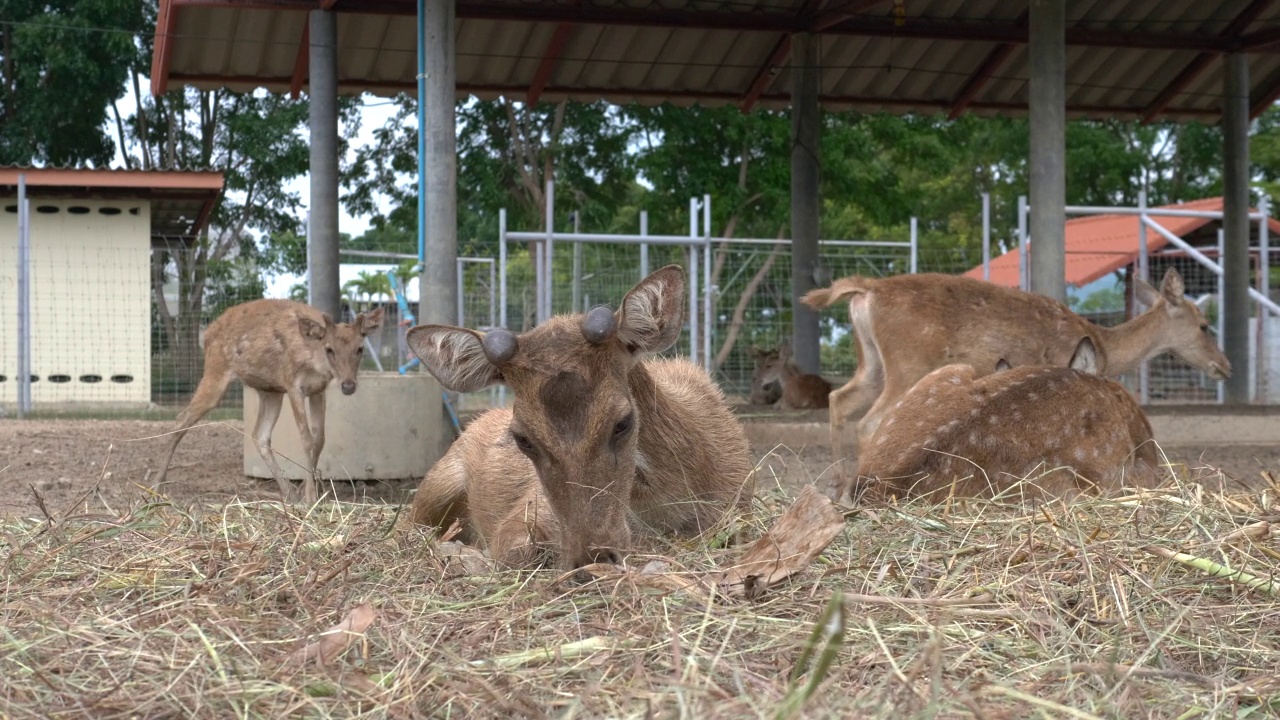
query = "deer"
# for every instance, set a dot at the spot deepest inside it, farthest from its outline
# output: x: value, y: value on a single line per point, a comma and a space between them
x: 906, y: 326
x: 763, y: 392
x: 599, y: 434
x: 278, y: 348
x: 1038, y: 431
x: 800, y: 391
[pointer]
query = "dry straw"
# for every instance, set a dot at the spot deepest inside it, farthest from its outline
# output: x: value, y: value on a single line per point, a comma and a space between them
x: 1157, y: 604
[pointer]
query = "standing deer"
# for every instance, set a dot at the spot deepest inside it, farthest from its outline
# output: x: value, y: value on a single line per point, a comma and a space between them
x: 800, y: 391
x: 278, y: 348
x: 909, y: 325
x: 597, y: 433
x: 1041, y: 431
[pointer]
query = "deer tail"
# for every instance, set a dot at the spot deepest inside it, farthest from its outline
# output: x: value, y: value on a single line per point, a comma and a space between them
x: 840, y: 290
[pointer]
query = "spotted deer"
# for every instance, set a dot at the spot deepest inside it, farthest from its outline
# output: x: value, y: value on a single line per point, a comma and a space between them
x: 278, y: 348
x: 599, y: 436
x: 763, y: 392
x: 1033, y: 431
x: 909, y: 325
x: 800, y: 391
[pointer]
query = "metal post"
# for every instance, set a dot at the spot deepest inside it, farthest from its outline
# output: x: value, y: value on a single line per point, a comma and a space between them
x: 548, y: 251
x: 1023, y: 243
x: 462, y: 321
x: 644, y: 247
x: 24, y: 299
x: 1263, y: 354
x: 422, y: 140
x: 1144, y: 273
x: 1222, y: 284
x: 436, y: 291
x: 708, y: 293
x: 493, y: 306
x: 693, y: 281
x: 1047, y: 46
x: 502, y: 267
x: 915, y: 247
x: 1235, y: 221
x: 577, y: 265
x: 538, y: 278
x: 806, y: 140
x: 322, y: 248
x: 986, y: 236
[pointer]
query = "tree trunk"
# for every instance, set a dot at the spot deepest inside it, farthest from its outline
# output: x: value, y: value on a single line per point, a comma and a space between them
x: 740, y: 309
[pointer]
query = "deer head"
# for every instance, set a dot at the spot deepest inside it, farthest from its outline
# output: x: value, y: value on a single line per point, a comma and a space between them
x: 574, y: 415
x: 764, y: 391
x: 1187, y: 331
x: 342, y: 343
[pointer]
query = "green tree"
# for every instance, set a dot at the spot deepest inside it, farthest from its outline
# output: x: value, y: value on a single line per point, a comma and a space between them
x: 62, y: 64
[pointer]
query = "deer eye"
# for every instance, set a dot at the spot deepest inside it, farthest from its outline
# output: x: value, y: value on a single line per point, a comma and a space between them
x: 1204, y: 327
x: 329, y: 352
x: 624, y: 426
x: 360, y: 350
x: 523, y: 442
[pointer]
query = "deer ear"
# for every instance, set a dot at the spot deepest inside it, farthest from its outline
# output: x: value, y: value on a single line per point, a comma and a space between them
x: 1171, y: 287
x: 369, y: 322
x: 1085, y: 358
x: 311, y: 329
x: 1002, y: 365
x: 1145, y: 294
x: 454, y: 356
x: 652, y: 314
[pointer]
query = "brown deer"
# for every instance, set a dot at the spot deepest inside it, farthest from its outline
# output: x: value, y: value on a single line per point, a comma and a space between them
x: 1033, y: 431
x: 763, y: 392
x: 909, y: 325
x: 800, y: 391
x: 278, y: 348
x: 597, y: 435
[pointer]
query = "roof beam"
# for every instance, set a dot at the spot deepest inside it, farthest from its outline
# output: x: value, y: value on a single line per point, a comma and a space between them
x: 163, y: 51
x: 989, y: 67
x: 833, y: 16
x: 765, y: 75
x: 1201, y: 61
x: 301, y: 63
x: 550, y: 59
x: 1261, y: 41
x: 1268, y: 94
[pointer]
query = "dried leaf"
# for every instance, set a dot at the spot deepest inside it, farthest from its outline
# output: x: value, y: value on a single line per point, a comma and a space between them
x: 461, y: 560
x: 334, y: 641
x: 803, y: 531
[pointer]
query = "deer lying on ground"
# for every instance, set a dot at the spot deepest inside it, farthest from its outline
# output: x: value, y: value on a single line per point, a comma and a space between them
x: 763, y: 392
x: 800, y: 391
x: 597, y: 434
x: 1036, y: 430
x: 278, y: 348
x: 909, y: 325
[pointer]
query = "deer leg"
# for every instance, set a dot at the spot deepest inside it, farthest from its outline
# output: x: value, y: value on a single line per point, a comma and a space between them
x: 298, y: 403
x: 213, y: 385
x: 315, y: 420
x: 269, y: 404
x: 851, y: 399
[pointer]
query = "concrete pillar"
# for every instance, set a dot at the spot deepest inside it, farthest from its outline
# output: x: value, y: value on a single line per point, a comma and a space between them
x: 1048, y: 147
x: 438, y: 283
x: 805, y: 168
x: 1235, y: 222
x: 322, y: 244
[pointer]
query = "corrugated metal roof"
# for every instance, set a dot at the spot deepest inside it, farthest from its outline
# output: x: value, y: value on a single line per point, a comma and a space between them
x: 1125, y: 58
x: 1101, y: 244
x: 181, y: 200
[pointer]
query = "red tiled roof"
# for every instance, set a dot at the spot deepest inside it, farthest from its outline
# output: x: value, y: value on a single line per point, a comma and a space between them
x: 1101, y: 244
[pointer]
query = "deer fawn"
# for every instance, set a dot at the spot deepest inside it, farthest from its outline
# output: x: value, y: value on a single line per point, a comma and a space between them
x: 597, y: 433
x: 1036, y: 429
x: 908, y: 325
x: 763, y: 392
x: 278, y: 348
x: 800, y: 391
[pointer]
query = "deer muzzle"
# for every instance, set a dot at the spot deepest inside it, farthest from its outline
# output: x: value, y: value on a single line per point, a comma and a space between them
x: 348, y: 387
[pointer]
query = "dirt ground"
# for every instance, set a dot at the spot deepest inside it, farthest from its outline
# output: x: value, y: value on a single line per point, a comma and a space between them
x: 95, y: 465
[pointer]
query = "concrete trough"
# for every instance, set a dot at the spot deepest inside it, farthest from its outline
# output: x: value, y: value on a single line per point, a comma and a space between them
x: 394, y: 427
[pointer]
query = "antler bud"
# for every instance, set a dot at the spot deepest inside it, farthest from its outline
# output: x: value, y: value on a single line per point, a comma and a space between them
x: 499, y: 345
x: 599, y: 325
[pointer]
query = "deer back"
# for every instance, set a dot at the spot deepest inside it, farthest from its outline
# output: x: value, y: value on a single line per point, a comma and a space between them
x: 604, y: 431
x: 1062, y: 430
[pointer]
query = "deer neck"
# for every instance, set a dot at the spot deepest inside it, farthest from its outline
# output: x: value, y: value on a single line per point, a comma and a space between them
x: 1125, y: 346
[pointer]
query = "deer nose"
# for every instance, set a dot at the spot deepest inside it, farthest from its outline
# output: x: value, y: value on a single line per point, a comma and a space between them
x: 605, y: 555
x: 348, y: 387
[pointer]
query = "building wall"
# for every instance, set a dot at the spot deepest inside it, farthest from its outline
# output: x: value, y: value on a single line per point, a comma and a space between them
x: 90, y: 301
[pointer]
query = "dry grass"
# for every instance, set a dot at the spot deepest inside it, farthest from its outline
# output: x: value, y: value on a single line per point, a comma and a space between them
x: 970, y: 609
